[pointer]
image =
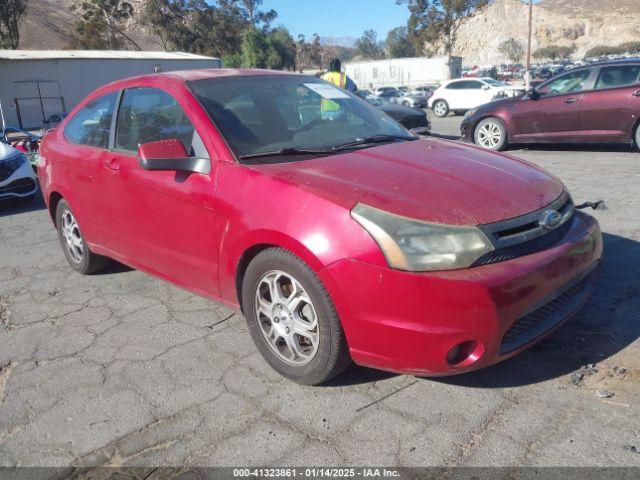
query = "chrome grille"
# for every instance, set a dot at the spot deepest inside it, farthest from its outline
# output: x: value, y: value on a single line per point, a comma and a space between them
x: 21, y: 186
x: 524, y: 235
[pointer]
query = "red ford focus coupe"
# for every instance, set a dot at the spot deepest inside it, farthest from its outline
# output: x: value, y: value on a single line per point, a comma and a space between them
x: 339, y: 235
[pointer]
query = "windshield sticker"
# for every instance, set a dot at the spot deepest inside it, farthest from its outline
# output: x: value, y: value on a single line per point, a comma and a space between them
x: 326, y: 91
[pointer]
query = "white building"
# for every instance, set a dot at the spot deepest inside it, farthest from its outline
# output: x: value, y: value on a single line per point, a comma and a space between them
x: 397, y: 72
x: 37, y: 84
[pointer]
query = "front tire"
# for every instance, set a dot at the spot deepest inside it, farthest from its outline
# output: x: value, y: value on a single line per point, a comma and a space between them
x: 440, y: 108
x: 490, y: 134
x: 637, y: 136
x: 81, y: 259
x: 292, y: 319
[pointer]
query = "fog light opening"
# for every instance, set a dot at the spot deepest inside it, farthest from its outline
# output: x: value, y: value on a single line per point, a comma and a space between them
x: 465, y: 353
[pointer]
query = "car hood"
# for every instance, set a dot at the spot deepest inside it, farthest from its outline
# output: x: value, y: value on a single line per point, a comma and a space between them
x: 7, y: 152
x: 429, y: 179
x: 400, y: 111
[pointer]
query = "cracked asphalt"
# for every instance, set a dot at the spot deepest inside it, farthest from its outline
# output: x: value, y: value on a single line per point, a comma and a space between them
x: 122, y: 369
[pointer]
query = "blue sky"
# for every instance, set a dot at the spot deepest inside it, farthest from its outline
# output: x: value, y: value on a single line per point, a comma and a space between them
x: 338, y: 18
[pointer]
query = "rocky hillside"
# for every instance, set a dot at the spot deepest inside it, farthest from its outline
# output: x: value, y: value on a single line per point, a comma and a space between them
x: 585, y: 23
x: 49, y: 23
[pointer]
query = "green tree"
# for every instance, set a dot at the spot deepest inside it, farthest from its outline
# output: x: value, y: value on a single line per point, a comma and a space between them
x: 398, y: 44
x: 167, y: 20
x: 238, y: 31
x: 11, y: 13
x: 254, y: 48
x: 217, y: 29
x: 274, y: 49
x: 367, y: 46
x: 554, y: 52
x: 101, y: 25
x: 512, y: 49
x: 436, y: 22
x: 603, y: 50
x: 256, y: 17
x: 283, y: 46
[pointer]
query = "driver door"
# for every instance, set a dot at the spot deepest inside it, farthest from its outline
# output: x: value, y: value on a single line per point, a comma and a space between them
x: 555, y: 114
x: 162, y: 221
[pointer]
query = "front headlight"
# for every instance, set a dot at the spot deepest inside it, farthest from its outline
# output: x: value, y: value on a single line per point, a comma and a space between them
x: 470, y: 112
x: 420, y: 246
x: 10, y: 165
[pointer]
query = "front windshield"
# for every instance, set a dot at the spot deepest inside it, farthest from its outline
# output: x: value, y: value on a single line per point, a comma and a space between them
x: 259, y: 114
x: 494, y: 83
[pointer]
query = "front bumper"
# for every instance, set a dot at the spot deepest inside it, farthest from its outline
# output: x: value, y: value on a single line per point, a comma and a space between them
x: 411, y: 322
x: 20, y: 184
x: 419, y: 104
x: 466, y: 131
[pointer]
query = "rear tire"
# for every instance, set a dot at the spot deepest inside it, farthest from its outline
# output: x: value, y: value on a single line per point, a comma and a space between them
x: 292, y: 319
x: 637, y: 136
x: 490, y: 134
x: 81, y: 259
x: 440, y: 108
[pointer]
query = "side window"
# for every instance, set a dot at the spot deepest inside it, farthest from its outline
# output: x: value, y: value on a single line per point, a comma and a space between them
x: 568, y: 83
x: 617, y: 76
x: 473, y: 85
x: 91, y: 124
x: 149, y: 115
x: 455, y: 85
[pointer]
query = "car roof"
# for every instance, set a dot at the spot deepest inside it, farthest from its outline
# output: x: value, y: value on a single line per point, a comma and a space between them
x: 607, y: 63
x: 184, y: 76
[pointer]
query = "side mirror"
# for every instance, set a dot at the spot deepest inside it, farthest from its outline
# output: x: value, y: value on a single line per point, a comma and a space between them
x: 486, y: 87
x: 170, y: 154
x: 533, y: 94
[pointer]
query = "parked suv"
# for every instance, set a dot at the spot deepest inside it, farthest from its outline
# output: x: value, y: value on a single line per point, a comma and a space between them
x: 338, y: 234
x: 467, y: 93
x: 599, y: 103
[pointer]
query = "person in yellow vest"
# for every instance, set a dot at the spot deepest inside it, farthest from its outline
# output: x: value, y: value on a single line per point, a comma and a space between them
x: 329, y: 108
x: 336, y: 76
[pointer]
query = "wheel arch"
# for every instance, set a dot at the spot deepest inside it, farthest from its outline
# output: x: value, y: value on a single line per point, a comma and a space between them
x: 634, y: 134
x: 54, y: 200
x: 250, y: 249
x: 491, y: 115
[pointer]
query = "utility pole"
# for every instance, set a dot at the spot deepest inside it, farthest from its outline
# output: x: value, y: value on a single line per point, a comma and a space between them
x: 527, y: 75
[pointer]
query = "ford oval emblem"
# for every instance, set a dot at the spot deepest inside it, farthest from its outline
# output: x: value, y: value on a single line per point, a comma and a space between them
x: 550, y: 219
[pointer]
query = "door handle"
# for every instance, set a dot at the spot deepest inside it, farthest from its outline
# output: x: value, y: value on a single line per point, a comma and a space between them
x: 571, y: 100
x: 112, y: 164
x: 636, y: 93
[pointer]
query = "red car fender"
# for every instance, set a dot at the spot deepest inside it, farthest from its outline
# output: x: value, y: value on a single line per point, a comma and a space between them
x: 232, y: 256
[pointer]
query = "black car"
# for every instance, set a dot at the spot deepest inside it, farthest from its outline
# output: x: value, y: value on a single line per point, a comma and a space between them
x: 412, y: 119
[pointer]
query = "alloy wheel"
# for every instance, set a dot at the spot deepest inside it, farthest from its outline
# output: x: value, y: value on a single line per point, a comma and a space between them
x: 489, y: 135
x: 287, y: 318
x: 440, y: 109
x: 72, y: 236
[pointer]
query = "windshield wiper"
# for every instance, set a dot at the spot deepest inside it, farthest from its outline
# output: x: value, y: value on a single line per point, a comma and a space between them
x: 284, y: 152
x: 326, y: 151
x: 372, y: 139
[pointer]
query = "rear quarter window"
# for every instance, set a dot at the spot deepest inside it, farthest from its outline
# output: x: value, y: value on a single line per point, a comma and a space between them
x: 617, y: 76
x: 92, y: 123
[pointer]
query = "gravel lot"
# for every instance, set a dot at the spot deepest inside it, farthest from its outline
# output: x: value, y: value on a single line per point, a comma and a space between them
x: 124, y: 369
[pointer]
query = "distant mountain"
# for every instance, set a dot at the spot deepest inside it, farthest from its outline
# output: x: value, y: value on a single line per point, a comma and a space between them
x: 583, y: 23
x: 49, y: 23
